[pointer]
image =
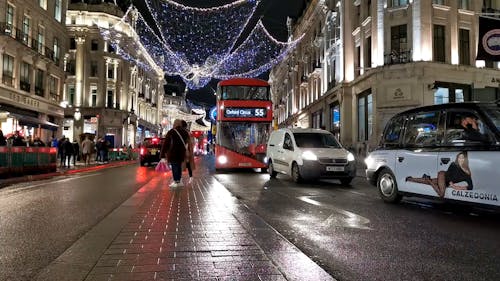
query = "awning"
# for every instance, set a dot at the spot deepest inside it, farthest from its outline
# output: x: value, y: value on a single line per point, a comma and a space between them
x: 34, y: 122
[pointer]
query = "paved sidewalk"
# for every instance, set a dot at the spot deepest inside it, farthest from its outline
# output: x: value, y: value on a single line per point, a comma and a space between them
x: 196, y: 232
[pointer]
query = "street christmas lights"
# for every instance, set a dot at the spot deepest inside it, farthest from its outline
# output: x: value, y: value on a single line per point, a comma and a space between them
x: 199, y: 44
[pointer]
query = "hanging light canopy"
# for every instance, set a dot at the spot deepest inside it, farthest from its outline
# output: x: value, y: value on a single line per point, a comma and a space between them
x: 199, y: 44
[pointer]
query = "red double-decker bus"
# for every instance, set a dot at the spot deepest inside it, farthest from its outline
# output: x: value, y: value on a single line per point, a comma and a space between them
x: 244, y: 118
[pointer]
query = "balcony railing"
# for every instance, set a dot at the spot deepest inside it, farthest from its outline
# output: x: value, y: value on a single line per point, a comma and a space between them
x: 8, y: 80
x: 39, y: 91
x: 25, y: 86
x: 25, y: 39
x: 397, y: 57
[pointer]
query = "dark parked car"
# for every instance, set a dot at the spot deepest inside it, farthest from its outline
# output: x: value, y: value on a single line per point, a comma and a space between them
x: 150, y: 151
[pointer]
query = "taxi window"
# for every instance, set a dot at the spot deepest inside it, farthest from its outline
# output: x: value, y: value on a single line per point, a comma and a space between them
x: 422, y: 129
x: 464, y: 127
x: 393, y: 131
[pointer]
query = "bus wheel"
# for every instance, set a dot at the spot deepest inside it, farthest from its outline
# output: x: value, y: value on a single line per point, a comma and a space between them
x: 296, y: 173
x: 271, y: 171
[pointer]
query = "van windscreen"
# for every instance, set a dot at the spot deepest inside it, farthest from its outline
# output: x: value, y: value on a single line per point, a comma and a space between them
x: 316, y: 140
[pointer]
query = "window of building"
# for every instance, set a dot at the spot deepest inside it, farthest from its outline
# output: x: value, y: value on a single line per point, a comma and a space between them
x: 109, y: 99
x: 58, y: 10
x: 463, y: 4
x: 71, y: 67
x: 451, y: 92
x: 41, y: 39
x: 93, y: 95
x: 111, y: 71
x: 9, y: 18
x: 94, y: 45
x: 440, y: 2
x: 358, y: 62
x: 39, y: 88
x: 71, y: 94
x: 399, y: 39
x: 56, y: 49
x: 368, y: 53
x: 398, y: 3
x: 43, y: 4
x: 110, y: 49
x: 72, y: 43
x: 53, y: 85
x: 26, y: 30
x: 438, y: 43
x: 365, y: 115
x: 464, y: 47
x: 24, y: 82
x: 93, y: 68
x: 8, y: 69
x: 335, y: 114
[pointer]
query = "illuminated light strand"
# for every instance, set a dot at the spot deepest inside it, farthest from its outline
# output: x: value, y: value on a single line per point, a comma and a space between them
x: 181, y: 30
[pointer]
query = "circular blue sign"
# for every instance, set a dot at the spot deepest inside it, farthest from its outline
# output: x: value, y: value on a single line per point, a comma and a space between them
x: 213, y: 113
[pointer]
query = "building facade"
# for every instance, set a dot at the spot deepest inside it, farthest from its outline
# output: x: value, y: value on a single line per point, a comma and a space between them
x: 377, y: 58
x: 33, y: 42
x: 105, y: 94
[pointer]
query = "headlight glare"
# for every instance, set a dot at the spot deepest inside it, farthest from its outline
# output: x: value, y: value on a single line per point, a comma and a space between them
x: 309, y: 155
x: 350, y: 157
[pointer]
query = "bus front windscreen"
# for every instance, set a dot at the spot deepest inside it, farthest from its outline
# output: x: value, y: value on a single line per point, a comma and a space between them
x: 245, y: 93
x: 245, y: 138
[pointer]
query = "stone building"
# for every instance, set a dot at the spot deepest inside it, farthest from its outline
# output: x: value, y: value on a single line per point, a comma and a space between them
x: 363, y: 61
x: 33, y: 42
x: 106, y: 94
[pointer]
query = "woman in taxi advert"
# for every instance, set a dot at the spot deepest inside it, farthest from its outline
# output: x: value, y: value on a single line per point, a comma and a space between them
x: 458, y: 176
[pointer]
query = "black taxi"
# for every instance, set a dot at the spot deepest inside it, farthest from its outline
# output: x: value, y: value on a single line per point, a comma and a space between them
x: 149, y: 151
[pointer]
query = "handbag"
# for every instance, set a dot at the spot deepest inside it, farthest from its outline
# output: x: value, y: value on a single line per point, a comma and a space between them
x: 162, y: 166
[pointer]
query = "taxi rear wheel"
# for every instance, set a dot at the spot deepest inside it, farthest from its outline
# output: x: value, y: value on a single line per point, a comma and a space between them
x: 388, y: 187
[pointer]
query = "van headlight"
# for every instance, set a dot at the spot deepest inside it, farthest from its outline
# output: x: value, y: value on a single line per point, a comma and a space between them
x: 309, y: 155
x: 350, y: 157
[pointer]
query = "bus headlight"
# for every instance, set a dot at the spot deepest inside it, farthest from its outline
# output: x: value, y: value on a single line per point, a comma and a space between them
x: 222, y: 159
x: 350, y: 157
x: 309, y: 155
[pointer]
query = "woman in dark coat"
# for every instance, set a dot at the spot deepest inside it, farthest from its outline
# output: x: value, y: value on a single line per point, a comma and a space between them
x: 174, y: 150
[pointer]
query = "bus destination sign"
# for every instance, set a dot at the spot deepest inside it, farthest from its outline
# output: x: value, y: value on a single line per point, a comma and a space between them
x: 234, y: 112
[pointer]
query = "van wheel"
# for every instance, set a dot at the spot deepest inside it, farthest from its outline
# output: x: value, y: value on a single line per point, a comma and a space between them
x: 271, y: 171
x: 346, y: 181
x: 387, y: 187
x: 296, y: 173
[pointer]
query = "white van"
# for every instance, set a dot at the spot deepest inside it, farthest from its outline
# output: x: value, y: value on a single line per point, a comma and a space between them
x: 448, y: 151
x: 307, y: 154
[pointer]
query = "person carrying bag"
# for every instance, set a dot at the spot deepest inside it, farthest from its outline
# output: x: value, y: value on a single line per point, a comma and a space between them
x: 174, y: 150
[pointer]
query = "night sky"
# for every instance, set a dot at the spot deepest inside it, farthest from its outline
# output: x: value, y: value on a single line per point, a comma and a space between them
x: 273, y: 13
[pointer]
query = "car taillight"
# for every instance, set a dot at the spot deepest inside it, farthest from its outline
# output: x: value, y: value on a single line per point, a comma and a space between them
x: 142, y: 151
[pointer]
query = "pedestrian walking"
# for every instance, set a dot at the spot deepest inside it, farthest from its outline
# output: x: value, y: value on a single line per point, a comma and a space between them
x: 67, y: 151
x: 76, y: 151
x: 189, y: 154
x: 87, y: 146
x: 3, y: 141
x: 174, y: 150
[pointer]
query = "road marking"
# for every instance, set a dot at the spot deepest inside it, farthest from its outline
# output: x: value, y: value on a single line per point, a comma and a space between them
x: 347, y: 219
x: 13, y: 189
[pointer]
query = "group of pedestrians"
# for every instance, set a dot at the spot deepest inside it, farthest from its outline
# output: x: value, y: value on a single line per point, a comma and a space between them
x: 17, y: 140
x: 177, y: 149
